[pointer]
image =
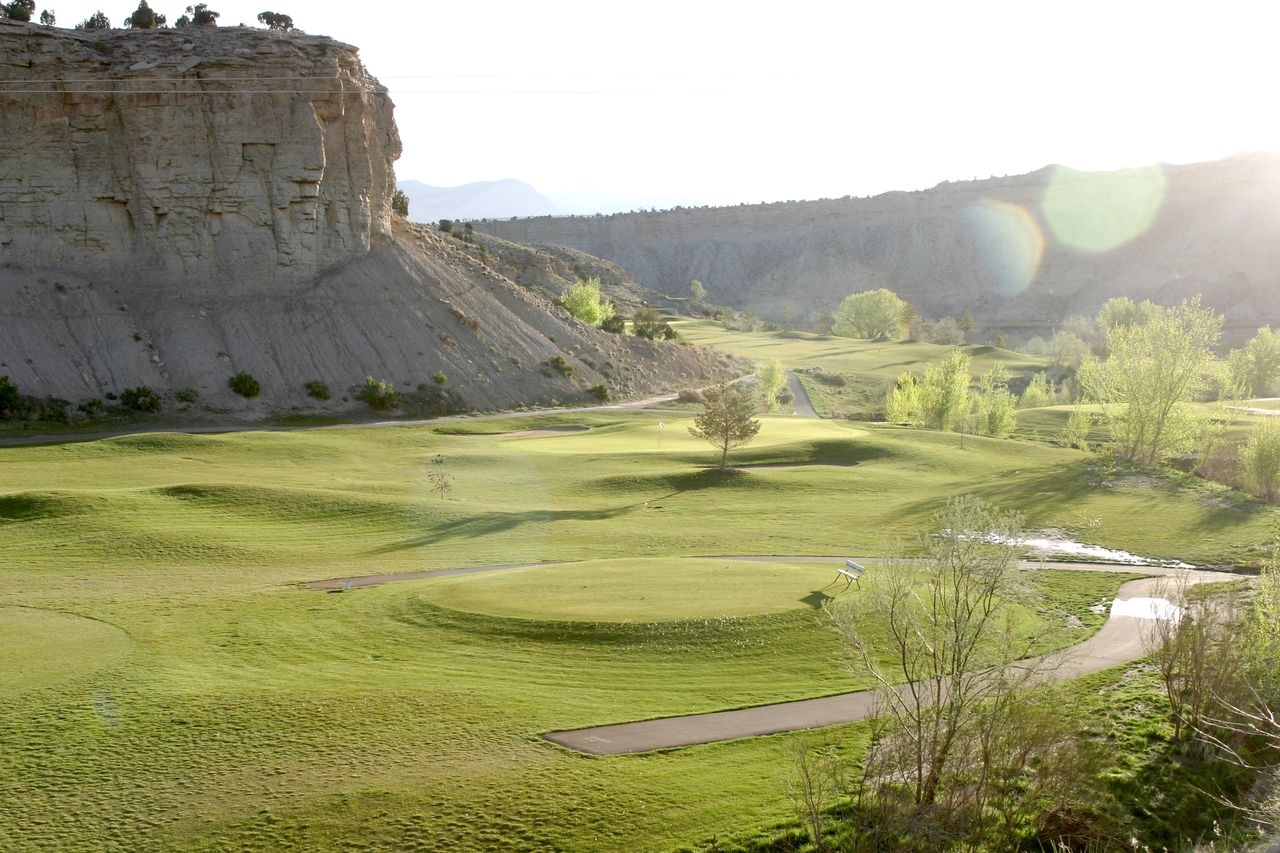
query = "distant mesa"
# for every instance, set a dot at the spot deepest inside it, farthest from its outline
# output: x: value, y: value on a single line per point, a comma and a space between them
x: 480, y: 200
x: 1020, y: 253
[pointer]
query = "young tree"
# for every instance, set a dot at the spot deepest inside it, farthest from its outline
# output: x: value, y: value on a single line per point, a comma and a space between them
x: 96, y: 21
x: 647, y: 323
x: 1260, y: 458
x: 997, y: 407
x: 698, y: 290
x: 726, y: 420
x: 48, y: 18
x: 1076, y: 432
x: 1152, y: 370
x: 870, y: 314
x: 583, y: 300
x: 399, y: 201
x: 441, y: 482
x: 967, y: 325
x: 771, y: 378
x: 1067, y: 350
x: 1256, y: 367
x: 949, y: 633
x: 945, y: 331
x: 1037, y: 393
x: 944, y: 391
x: 903, y: 405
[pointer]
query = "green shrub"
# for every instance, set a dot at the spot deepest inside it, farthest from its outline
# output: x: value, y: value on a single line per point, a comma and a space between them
x: 690, y: 395
x: 92, y: 409
x: 600, y: 392
x: 583, y: 301
x: 431, y: 401
x: 616, y: 324
x: 379, y: 394
x: 440, y: 378
x: 187, y: 395
x: 563, y: 367
x: 245, y: 385
x: 317, y: 390
x: 12, y: 404
x: 140, y: 399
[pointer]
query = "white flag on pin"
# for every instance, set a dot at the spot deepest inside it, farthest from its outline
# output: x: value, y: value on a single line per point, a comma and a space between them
x: 661, y: 425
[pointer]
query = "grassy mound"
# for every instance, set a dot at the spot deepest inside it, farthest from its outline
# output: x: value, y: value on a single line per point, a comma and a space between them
x: 39, y: 648
x: 644, y: 590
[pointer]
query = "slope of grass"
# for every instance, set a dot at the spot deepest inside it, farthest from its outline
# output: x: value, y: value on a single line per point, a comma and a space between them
x: 880, y: 359
x: 250, y: 714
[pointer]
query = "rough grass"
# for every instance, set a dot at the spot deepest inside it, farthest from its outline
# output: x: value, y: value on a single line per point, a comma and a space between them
x: 251, y: 714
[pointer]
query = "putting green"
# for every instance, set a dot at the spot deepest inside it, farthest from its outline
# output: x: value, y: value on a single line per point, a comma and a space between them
x: 42, y: 647
x: 642, y: 590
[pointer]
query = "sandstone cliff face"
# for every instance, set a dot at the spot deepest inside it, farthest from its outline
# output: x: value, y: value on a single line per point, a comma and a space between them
x: 177, y: 206
x: 196, y: 156
x: 1020, y: 252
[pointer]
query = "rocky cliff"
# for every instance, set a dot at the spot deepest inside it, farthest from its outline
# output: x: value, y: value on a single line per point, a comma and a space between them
x: 177, y: 206
x: 1019, y: 252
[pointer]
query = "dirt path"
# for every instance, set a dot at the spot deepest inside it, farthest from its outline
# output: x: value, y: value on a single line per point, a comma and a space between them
x: 800, y: 398
x: 1119, y: 641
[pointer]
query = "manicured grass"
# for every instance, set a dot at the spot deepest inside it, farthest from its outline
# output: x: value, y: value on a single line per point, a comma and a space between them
x: 650, y: 590
x: 42, y: 647
x: 249, y: 713
x: 881, y: 359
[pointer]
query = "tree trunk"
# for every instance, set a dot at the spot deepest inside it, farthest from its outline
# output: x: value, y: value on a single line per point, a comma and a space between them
x: 724, y: 457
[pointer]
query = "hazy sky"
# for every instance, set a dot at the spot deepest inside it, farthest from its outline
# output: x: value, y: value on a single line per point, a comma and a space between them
x: 699, y: 102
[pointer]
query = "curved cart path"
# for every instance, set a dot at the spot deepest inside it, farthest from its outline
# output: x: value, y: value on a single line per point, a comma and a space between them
x: 1119, y: 641
x: 800, y: 398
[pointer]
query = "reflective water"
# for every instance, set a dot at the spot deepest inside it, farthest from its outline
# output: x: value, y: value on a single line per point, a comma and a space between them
x: 1146, y: 608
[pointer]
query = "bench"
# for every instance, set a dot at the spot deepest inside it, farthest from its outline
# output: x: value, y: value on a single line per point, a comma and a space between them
x: 851, y: 572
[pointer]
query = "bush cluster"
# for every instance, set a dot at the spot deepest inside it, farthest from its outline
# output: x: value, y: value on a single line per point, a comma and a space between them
x: 317, y: 390
x: 245, y: 385
x: 379, y: 394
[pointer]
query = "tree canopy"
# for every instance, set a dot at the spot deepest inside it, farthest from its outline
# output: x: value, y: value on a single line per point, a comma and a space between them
x: 280, y: 23
x: 1255, y: 369
x: 727, y: 420
x: 144, y: 18
x: 871, y: 314
x: 18, y: 10
x: 1154, y: 367
x: 583, y: 300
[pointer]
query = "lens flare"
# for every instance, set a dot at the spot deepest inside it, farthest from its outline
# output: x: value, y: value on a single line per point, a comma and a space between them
x: 1007, y: 242
x: 1100, y: 211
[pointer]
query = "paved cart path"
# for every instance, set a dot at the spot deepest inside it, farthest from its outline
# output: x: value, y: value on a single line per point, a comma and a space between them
x: 1120, y: 640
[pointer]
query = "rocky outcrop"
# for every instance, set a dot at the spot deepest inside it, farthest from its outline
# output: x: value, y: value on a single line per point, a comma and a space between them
x: 177, y: 206
x: 1019, y: 253
x: 202, y: 156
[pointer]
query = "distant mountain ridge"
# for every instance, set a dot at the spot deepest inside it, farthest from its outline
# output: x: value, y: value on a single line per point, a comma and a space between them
x: 480, y: 200
x: 1020, y: 253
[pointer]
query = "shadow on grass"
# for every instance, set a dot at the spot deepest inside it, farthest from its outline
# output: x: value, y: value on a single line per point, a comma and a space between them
x: 816, y: 599
x: 492, y: 523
